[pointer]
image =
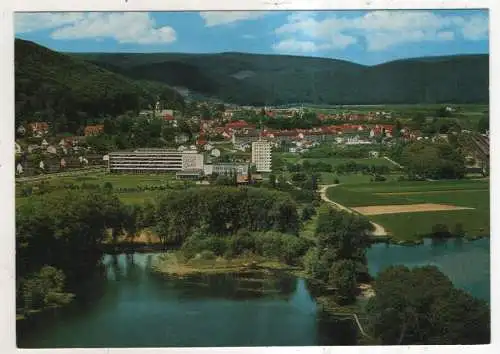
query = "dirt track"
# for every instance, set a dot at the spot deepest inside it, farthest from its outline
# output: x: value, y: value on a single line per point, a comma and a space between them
x: 378, y: 229
x: 408, y: 208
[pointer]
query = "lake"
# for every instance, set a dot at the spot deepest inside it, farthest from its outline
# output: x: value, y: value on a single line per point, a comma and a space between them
x: 129, y: 306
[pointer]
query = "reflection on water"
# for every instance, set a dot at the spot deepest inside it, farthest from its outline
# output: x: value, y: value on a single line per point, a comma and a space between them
x: 137, y: 308
x: 126, y: 305
x: 466, y: 263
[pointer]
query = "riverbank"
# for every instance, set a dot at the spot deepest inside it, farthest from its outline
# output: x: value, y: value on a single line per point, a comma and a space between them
x: 22, y: 314
x: 173, y: 263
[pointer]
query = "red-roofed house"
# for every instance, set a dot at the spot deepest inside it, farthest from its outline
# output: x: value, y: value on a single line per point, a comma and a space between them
x: 91, y: 130
x: 238, y: 124
x: 39, y: 129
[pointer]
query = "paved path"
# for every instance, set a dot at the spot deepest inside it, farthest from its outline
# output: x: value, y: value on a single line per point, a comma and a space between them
x: 393, y: 162
x: 378, y: 231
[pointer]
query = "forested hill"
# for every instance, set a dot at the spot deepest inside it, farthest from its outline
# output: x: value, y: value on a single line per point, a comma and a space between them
x: 69, y: 92
x: 279, y: 79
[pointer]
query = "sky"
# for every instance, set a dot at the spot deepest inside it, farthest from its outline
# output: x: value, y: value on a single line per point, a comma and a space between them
x: 365, y: 37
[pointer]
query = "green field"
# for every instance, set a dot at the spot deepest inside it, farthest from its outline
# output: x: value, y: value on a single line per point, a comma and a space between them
x: 408, y: 226
x: 117, y: 181
x: 335, y: 161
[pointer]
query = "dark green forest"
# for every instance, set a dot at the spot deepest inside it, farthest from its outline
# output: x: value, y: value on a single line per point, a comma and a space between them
x: 280, y: 79
x: 68, y: 92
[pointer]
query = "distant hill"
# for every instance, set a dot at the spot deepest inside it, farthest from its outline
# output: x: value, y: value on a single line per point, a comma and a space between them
x: 69, y: 92
x: 280, y: 79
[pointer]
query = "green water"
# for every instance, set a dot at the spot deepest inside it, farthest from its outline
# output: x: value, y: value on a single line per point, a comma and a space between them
x: 129, y: 306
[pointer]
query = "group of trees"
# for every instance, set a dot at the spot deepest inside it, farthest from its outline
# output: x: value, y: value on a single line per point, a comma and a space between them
x: 423, y: 159
x: 285, y: 247
x: 338, y: 260
x: 128, y: 131
x: 421, y: 306
x: 64, y: 231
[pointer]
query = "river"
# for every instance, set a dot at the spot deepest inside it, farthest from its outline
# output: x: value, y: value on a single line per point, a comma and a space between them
x: 132, y: 307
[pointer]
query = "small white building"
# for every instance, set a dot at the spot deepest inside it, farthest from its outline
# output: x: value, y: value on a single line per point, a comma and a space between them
x: 21, y: 130
x: 208, y: 147
x: 41, y: 165
x: 215, y: 153
x: 44, y: 144
x: 52, y: 150
x: 19, y: 169
x: 18, y: 149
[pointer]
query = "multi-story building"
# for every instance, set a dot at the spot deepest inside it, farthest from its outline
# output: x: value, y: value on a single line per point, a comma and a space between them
x: 226, y: 169
x: 154, y: 160
x: 261, y: 155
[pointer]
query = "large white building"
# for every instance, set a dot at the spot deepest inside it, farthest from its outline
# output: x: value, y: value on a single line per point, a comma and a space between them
x: 226, y: 169
x: 261, y: 155
x: 154, y: 160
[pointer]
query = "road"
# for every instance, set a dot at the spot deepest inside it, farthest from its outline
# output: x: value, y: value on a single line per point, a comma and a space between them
x: 378, y: 231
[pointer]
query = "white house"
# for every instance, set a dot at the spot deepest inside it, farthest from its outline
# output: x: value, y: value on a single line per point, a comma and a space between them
x: 42, y: 165
x: 19, y: 169
x: 44, y: 144
x: 52, y: 150
x: 181, y: 148
x: 18, y: 149
x: 208, y: 147
x: 215, y: 152
x: 21, y: 130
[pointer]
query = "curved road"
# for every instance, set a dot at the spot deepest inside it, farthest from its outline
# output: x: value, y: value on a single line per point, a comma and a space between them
x: 379, y: 230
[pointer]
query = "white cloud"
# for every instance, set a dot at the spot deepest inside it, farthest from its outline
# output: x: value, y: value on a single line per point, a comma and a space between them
x: 35, y: 21
x: 294, y: 46
x: 382, y: 29
x: 446, y: 36
x: 127, y: 27
x: 476, y: 28
x: 217, y: 18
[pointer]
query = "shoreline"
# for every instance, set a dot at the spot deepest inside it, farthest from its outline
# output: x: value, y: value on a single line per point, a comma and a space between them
x: 170, y: 265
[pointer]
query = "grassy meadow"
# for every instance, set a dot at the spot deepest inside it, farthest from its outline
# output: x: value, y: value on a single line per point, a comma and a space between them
x: 411, y: 226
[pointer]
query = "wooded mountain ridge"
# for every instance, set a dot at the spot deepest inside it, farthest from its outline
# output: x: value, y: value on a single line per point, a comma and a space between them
x: 256, y: 79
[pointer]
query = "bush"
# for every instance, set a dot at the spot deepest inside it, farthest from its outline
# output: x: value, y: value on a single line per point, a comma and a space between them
x: 268, y: 244
x: 459, y: 230
x: 207, y: 255
x: 308, y: 212
x: 293, y: 248
x: 336, y: 181
x: 241, y: 242
x: 440, y: 231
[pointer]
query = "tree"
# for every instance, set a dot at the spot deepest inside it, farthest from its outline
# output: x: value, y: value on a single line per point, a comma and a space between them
x: 342, y: 278
x: 308, y: 212
x: 483, y: 125
x: 419, y: 120
x: 420, y: 306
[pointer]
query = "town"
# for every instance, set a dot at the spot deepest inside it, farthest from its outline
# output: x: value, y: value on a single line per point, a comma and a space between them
x: 183, y: 198
x: 226, y: 141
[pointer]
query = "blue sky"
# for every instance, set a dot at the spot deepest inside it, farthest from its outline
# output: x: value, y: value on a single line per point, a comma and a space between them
x: 366, y: 37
